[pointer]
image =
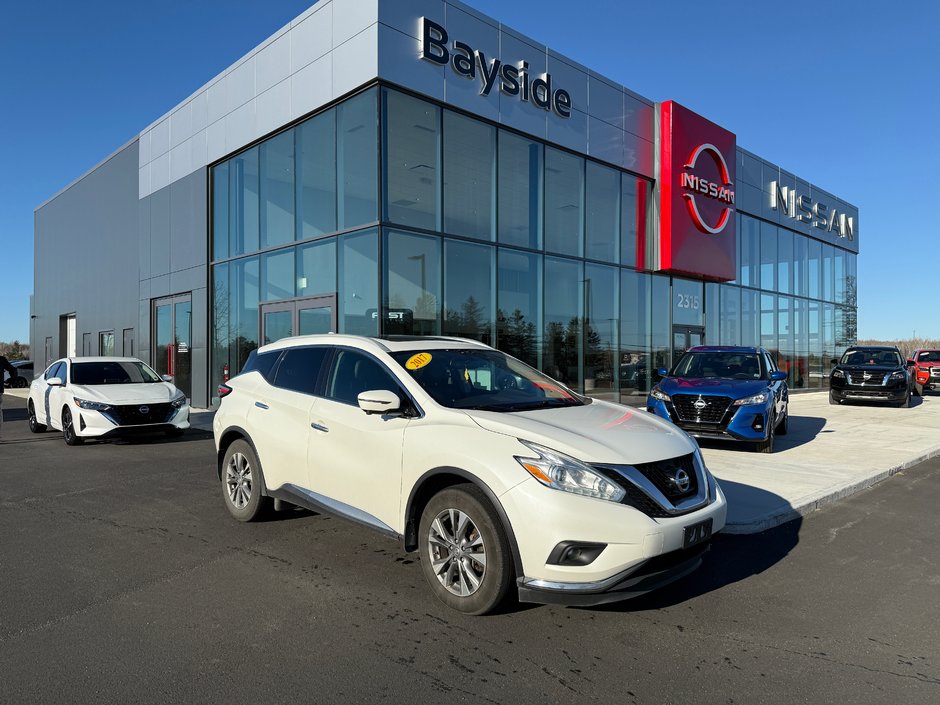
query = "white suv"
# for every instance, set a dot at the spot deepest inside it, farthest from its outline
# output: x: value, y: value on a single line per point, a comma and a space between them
x: 496, y: 473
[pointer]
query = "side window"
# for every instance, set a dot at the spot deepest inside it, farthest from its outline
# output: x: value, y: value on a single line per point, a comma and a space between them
x: 300, y: 369
x: 354, y: 373
x: 261, y: 363
x: 769, y: 361
x: 56, y: 370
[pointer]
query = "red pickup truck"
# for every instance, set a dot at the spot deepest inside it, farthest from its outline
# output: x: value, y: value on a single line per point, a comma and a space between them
x: 925, y: 370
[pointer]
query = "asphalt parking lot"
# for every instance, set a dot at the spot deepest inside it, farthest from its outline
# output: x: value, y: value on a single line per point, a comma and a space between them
x: 125, y: 580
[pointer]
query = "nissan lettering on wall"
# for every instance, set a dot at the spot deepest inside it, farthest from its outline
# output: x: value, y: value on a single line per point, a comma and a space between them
x: 696, y: 191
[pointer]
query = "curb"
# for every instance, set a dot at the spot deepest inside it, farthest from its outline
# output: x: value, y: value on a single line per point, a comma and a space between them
x: 790, y: 513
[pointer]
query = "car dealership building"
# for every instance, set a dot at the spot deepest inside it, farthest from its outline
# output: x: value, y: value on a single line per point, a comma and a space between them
x: 392, y: 167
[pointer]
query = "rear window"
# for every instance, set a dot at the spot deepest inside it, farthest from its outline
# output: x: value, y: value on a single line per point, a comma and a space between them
x: 262, y: 363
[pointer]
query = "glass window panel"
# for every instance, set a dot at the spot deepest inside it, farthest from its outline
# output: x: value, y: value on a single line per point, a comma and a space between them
x: 659, y: 318
x: 357, y: 161
x: 768, y: 257
x: 277, y: 190
x: 518, y: 313
x: 633, y: 199
x: 829, y: 339
x: 800, y: 266
x: 729, y: 332
x: 749, y: 252
x: 601, y: 331
x: 688, y: 306
x: 277, y: 272
x: 818, y: 364
x: 469, y: 177
x: 813, y: 268
x: 838, y: 276
x: 221, y: 336
x: 469, y: 293
x: 768, y: 322
x: 358, y: 283
x: 316, y: 176
x: 562, y: 317
x: 244, y: 292
x: 828, y: 287
x: 316, y: 268
x: 220, y: 211
x: 750, y: 318
x: 412, y: 161
x: 635, y: 360
x: 786, y: 337
x: 602, y: 213
x: 712, y: 314
x: 243, y: 202
x: 520, y: 191
x: 564, y: 202
x: 784, y: 261
x: 413, y: 284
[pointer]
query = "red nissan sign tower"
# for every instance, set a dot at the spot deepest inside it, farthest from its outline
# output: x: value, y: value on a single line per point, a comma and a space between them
x: 696, y: 195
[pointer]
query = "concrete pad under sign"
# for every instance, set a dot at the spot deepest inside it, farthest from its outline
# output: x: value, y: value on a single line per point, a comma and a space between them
x: 830, y: 452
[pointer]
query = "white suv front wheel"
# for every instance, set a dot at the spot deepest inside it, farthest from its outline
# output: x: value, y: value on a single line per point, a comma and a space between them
x: 465, y: 555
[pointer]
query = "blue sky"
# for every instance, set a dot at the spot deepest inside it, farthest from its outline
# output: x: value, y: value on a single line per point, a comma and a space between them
x: 843, y: 93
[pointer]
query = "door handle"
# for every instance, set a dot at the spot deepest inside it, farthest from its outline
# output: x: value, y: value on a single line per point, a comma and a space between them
x: 320, y: 427
x: 262, y: 405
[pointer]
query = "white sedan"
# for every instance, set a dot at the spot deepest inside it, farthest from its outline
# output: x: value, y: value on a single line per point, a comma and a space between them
x: 103, y: 397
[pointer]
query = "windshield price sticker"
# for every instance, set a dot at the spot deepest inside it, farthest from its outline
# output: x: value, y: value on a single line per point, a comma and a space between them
x: 416, y: 362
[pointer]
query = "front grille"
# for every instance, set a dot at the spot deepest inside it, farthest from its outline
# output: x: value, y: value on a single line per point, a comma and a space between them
x: 868, y: 393
x: 662, y: 474
x: 935, y: 371
x: 133, y: 414
x: 857, y: 379
x: 713, y: 411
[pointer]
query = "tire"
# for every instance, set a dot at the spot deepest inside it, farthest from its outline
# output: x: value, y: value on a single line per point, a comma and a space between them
x: 243, y: 483
x: 34, y: 425
x: 19, y: 383
x: 906, y: 404
x: 768, y: 445
x: 784, y: 426
x: 466, y: 585
x: 832, y: 398
x: 68, y: 429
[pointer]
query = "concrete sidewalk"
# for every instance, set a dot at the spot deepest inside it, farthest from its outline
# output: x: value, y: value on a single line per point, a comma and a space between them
x: 829, y: 453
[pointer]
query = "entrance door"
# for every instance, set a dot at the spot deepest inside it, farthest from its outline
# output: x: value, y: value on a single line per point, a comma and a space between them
x: 281, y: 319
x: 685, y: 337
x: 172, y: 340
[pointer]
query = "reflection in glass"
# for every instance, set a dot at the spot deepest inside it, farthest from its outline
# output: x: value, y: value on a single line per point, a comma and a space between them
x: 316, y: 268
x: 750, y: 318
x: 243, y: 202
x: 277, y: 275
x: 412, y: 161
x: 768, y: 257
x: 784, y: 261
x: 730, y: 326
x: 221, y: 336
x: 316, y: 176
x: 520, y: 191
x: 562, y: 318
x: 800, y: 266
x: 601, y: 331
x: 182, y: 347
x: 357, y: 160
x: 749, y: 251
x: 412, y: 284
x: 277, y: 190
x: 358, y: 283
x: 519, y: 287
x: 813, y: 268
x: 635, y: 361
x: 244, y: 292
x: 469, y: 296
x: 220, y: 192
x: 602, y: 213
x: 564, y: 202
x: 469, y: 177
x: 660, y: 326
x: 633, y: 217
x: 768, y: 322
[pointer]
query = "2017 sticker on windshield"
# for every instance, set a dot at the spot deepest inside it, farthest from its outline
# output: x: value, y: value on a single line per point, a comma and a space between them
x: 416, y: 362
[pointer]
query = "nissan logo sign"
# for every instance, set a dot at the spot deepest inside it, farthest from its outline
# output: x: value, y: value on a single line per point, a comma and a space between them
x: 695, y: 186
x: 144, y: 410
x: 700, y: 404
x: 682, y: 480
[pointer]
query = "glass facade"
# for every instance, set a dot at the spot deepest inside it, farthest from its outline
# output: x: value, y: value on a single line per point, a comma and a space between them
x: 421, y: 220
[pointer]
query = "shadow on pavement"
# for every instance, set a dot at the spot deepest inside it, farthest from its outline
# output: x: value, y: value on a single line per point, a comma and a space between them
x: 732, y: 558
x: 803, y: 429
x: 14, y: 414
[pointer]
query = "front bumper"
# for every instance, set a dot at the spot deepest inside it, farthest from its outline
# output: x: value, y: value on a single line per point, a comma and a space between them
x: 97, y: 424
x: 928, y: 378
x: 743, y: 423
x: 892, y: 393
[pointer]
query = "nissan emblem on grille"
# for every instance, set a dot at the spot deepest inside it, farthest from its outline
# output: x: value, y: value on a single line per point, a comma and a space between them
x: 144, y: 410
x: 682, y: 480
x: 866, y: 376
x: 700, y: 404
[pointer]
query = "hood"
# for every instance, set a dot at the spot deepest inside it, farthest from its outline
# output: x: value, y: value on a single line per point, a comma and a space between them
x: 599, y: 432
x: 719, y: 386
x: 150, y: 393
x: 878, y: 369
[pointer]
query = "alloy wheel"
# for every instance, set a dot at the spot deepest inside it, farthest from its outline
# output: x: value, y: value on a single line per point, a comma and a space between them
x: 457, y: 551
x: 238, y: 480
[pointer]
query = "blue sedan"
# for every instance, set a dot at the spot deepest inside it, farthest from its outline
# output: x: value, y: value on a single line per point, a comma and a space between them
x: 733, y: 393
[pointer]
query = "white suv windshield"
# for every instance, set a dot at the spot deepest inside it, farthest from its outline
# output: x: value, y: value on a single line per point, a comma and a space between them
x: 484, y: 379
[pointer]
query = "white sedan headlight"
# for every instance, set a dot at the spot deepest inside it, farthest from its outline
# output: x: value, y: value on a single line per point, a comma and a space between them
x: 756, y: 399
x: 561, y: 472
x: 178, y: 400
x: 91, y: 405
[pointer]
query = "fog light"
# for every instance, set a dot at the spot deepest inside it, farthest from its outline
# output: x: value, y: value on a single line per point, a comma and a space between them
x: 575, y: 553
x: 758, y: 424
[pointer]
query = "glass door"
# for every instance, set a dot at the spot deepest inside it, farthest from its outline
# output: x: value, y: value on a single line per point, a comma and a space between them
x: 685, y: 337
x: 281, y: 319
x: 172, y: 340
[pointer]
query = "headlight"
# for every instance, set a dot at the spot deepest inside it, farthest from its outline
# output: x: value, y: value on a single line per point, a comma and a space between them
x: 178, y: 400
x: 560, y: 472
x: 756, y: 399
x: 900, y: 374
x: 838, y: 373
x: 91, y: 405
x: 658, y: 393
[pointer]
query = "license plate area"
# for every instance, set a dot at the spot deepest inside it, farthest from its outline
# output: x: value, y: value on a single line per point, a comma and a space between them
x: 697, y: 533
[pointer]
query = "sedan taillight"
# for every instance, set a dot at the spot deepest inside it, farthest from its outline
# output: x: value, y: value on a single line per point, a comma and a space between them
x: 224, y: 390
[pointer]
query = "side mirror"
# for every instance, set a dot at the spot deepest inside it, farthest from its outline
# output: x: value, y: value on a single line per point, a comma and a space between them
x: 662, y: 371
x: 166, y: 378
x: 379, y: 401
x: 834, y: 361
x: 910, y: 363
x: 778, y: 375
x: 55, y: 382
